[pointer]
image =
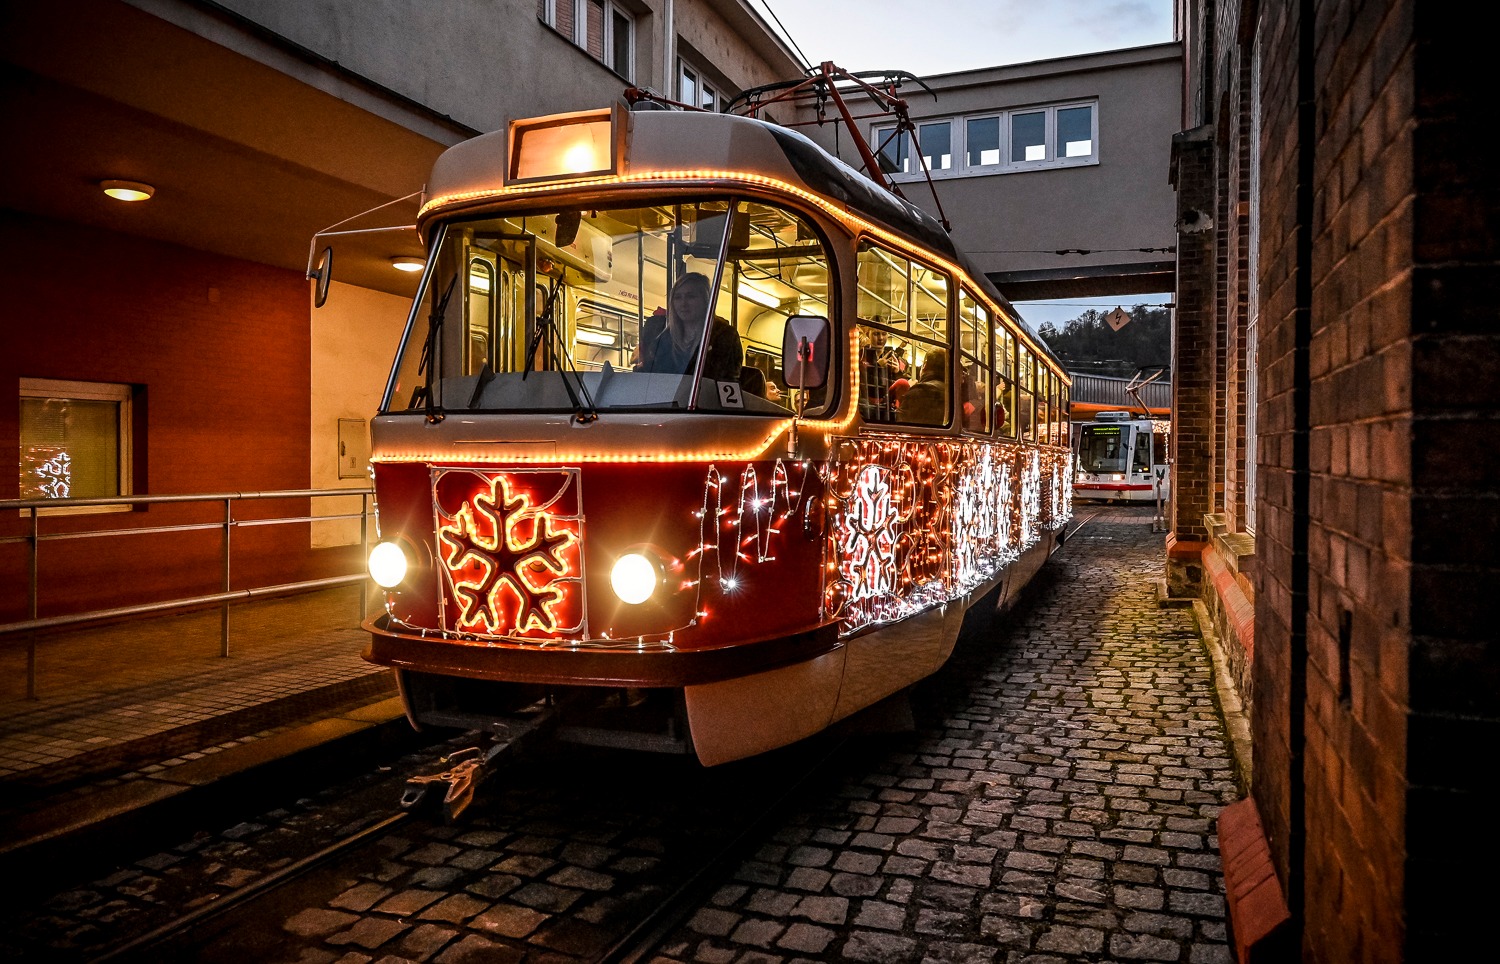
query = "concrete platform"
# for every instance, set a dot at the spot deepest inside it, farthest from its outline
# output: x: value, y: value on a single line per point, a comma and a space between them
x: 140, y: 723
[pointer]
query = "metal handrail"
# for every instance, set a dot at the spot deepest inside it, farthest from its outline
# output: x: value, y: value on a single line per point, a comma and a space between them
x: 224, y: 599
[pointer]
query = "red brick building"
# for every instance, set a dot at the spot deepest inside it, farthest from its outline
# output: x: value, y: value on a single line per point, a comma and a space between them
x: 1335, y: 494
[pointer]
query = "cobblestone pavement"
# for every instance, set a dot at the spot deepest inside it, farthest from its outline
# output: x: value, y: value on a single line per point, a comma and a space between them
x: 1058, y: 803
x: 1055, y: 803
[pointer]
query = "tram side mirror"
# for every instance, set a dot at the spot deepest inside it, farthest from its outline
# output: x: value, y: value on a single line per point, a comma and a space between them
x: 567, y: 228
x: 320, y: 276
x: 804, y: 351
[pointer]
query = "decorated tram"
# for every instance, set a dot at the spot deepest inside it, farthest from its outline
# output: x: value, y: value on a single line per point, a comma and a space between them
x: 697, y: 436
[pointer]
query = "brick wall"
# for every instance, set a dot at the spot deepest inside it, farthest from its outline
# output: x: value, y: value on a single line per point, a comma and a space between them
x: 218, y: 350
x: 1452, y: 225
x: 1359, y: 366
x: 1193, y: 368
x: 1275, y: 598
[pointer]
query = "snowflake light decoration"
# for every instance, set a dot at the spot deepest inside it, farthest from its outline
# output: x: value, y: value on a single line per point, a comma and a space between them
x: 512, y: 559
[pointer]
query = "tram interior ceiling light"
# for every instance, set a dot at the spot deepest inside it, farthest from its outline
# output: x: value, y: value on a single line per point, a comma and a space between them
x: 127, y: 190
x: 763, y: 298
x: 408, y: 264
x: 595, y: 336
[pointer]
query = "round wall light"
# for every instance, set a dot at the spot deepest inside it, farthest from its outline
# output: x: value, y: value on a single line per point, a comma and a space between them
x: 127, y: 190
x: 408, y: 264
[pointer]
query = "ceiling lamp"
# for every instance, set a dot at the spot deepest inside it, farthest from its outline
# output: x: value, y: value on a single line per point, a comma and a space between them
x: 408, y: 264
x: 127, y: 190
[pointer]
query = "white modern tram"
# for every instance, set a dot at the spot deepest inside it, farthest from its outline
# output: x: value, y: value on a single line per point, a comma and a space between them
x: 1121, y: 457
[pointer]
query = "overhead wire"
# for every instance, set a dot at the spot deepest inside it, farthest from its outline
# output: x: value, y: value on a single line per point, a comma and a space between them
x: 806, y: 61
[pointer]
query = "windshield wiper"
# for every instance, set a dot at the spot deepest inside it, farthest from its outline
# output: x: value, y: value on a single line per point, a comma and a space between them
x: 428, y: 363
x: 558, y: 359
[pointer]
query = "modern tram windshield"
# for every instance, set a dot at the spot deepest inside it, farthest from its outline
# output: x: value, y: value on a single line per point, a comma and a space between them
x: 585, y: 310
x: 1103, y: 448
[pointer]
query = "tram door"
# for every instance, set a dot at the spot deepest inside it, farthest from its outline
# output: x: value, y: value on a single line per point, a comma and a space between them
x: 496, y: 288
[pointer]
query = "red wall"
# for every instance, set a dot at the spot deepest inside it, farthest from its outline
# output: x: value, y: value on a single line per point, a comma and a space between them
x: 218, y: 351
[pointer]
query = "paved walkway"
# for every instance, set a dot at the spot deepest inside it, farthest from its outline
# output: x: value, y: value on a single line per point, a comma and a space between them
x: 118, y: 702
x: 1058, y: 803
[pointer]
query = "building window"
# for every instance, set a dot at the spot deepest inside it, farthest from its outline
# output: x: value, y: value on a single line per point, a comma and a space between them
x: 601, y: 27
x: 695, y: 89
x: 75, y: 439
x: 983, y: 141
x: 1060, y: 135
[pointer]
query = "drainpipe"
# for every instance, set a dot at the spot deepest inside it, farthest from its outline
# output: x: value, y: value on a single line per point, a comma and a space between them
x: 668, y: 48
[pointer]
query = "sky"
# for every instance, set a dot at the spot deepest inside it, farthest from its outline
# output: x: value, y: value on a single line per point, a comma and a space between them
x: 941, y: 36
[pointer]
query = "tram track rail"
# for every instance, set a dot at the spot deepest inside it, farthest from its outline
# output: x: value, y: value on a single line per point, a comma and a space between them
x: 1078, y: 522
x: 635, y: 940
x: 248, y: 893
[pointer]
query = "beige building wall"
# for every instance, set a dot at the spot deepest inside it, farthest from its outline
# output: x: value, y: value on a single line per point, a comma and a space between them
x: 483, y: 64
x: 354, y: 337
x: 1015, y: 224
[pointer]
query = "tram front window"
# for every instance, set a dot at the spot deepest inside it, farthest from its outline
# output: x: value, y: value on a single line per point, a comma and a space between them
x: 594, y: 309
x: 1101, y: 448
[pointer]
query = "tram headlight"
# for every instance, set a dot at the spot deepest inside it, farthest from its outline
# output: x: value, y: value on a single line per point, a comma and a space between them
x: 635, y: 577
x: 388, y: 565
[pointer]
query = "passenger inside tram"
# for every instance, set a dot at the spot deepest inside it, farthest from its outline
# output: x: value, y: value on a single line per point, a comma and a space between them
x: 674, y: 349
x: 926, y: 402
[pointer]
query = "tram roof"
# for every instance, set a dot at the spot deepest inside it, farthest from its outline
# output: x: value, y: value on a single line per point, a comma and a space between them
x: 673, y: 147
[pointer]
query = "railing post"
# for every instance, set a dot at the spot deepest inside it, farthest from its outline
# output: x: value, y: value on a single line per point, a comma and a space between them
x: 364, y: 541
x: 224, y: 608
x: 32, y: 609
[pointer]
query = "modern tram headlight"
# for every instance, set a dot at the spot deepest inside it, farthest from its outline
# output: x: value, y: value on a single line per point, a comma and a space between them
x: 635, y: 577
x: 388, y: 565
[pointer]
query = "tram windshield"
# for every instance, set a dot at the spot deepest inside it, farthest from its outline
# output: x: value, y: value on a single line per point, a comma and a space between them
x: 677, y: 305
x: 1102, y: 448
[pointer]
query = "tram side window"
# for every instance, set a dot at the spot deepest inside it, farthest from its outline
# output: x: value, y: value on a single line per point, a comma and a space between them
x: 974, y: 326
x: 903, y: 336
x: 1005, y: 382
x: 1140, y: 460
x: 775, y: 267
x: 1043, y: 404
x: 1065, y: 416
x: 1026, y: 395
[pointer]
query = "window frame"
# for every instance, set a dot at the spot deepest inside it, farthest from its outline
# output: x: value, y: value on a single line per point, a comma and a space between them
x: 958, y: 140
x: 983, y: 359
x: 916, y: 271
x: 580, y: 35
x: 700, y: 84
x: 123, y: 395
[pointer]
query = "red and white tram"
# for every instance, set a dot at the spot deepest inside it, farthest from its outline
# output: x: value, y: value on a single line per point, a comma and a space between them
x: 1122, y: 458
x: 720, y: 560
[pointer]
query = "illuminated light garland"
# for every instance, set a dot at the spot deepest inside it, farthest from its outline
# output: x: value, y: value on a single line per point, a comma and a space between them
x: 913, y: 523
x: 919, y: 522
x: 851, y: 221
x: 762, y: 512
x: 1031, y: 497
x: 513, y: 566
x: 550, y: 457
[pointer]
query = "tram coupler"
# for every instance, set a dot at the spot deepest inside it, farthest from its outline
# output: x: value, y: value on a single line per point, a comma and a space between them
x: 466, y: 769
x: 462, y: 776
